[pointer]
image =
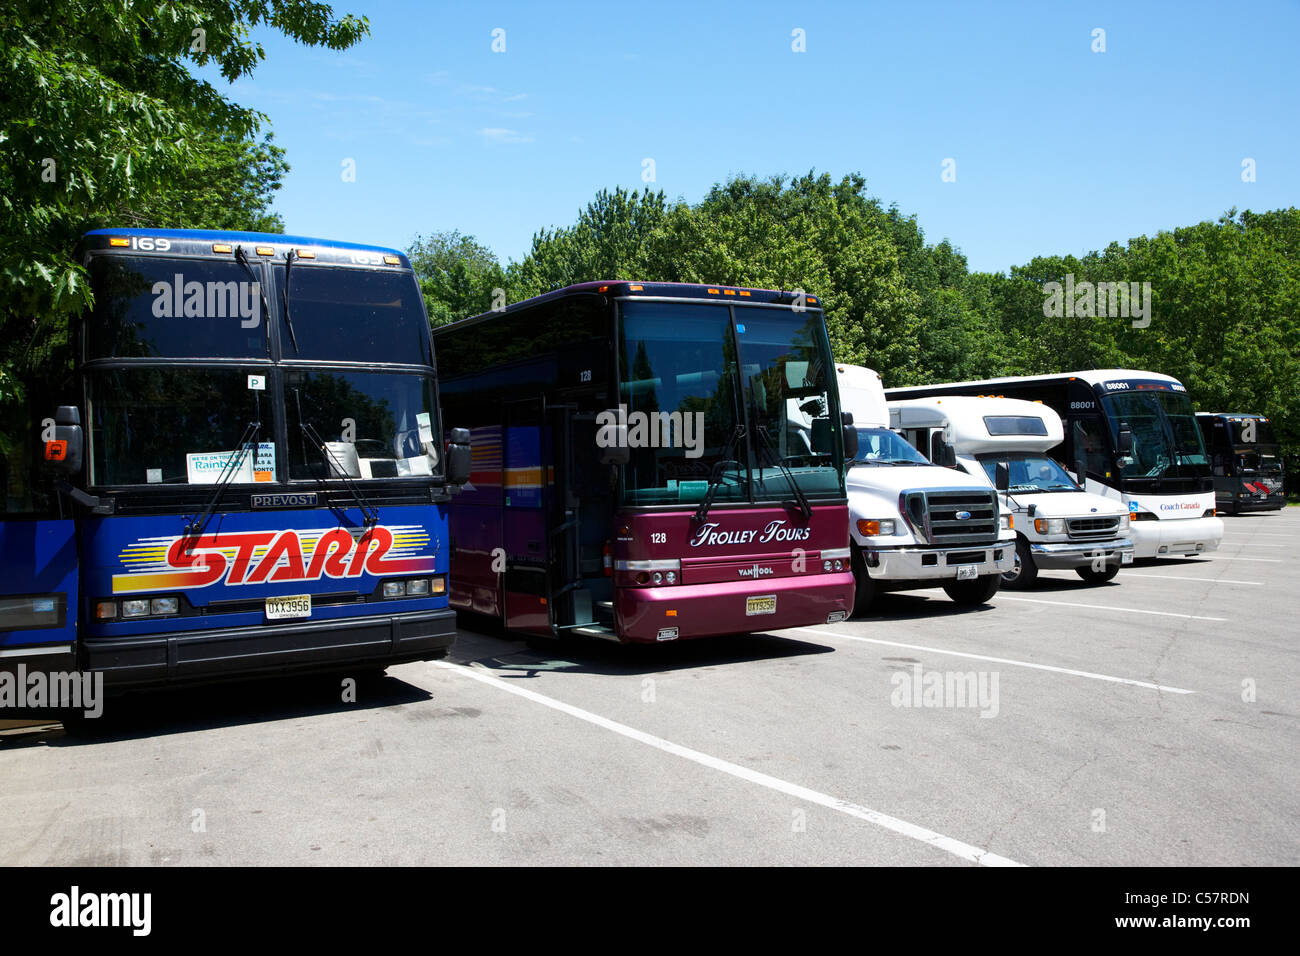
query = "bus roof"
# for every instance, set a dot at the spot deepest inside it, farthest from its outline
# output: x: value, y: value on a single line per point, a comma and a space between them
x: 1091, y: 376
x: 628, y: 288
x: 199, y: 241
x: 978, y: 424
x: 1233, y: 416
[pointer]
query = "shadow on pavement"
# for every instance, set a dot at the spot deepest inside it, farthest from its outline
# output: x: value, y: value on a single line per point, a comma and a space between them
x: 211, y: 706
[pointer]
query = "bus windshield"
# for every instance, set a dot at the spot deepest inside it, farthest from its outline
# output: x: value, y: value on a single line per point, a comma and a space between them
x: 1029, y: 473
x: 175, y: 308
x: 747, y: 408
x: 1166, y: 439
x: 177, y: 425
x: 880, y: 446
x: 358, y: 315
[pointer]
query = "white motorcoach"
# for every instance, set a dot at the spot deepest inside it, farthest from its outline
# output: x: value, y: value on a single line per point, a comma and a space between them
x: 1058, y: 525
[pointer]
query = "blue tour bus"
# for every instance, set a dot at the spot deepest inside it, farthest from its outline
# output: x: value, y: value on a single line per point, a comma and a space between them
x: 244, y: 474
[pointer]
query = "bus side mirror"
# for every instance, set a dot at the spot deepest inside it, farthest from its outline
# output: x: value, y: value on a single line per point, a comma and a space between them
x: 64, y: 442
x: 1125, y: 439
x: 1001, y: 475
x: 614, y: 450
x: 945, y: 454
x: 458, y: 456
x: 1080, y: 472
x: 850, y: 436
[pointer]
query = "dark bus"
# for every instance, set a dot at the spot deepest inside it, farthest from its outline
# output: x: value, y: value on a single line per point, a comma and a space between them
x: 244, y: 474
x: 1245, y: 459
x: 651, y: 462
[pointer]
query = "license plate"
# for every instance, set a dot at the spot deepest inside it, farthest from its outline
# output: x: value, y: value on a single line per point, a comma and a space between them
x: 1126, y: 557
x: 293, y: 605
x: 760, y: 605
x: 967, y: 571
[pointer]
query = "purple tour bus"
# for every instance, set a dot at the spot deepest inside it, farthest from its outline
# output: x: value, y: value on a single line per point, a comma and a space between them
x: 651, y: 462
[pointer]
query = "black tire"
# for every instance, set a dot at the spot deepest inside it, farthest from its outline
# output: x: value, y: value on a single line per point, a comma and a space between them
x: 1098, y: 577
x: 864, y: 589
x: 1025, y: 574
x: 978, y: 591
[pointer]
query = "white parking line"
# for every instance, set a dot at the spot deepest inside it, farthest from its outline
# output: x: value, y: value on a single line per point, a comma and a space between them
x: 1125, y: 575
x: 1090, y: 607
x: 1252, y: 544
x: 1238, y: 557
x: 957, y: 848
x: 997, y: 660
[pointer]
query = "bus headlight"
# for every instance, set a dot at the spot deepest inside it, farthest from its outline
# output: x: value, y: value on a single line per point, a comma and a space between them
x: 136, y: 607
x: 1124, y: 522
x: 164, y: 605
x: 394, y: 589
x: 1008, y: 522
x: 1049, y: 525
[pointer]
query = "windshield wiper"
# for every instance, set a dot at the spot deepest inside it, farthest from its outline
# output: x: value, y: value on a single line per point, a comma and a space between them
x: 247, y: 445
x: 715, y: 477
x: 242, y: 258
x: 369, y: 514
x: 804, y: 507
x: 284, y: 296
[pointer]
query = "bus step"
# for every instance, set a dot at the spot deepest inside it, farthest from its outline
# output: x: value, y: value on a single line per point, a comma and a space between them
x: 596, y: 631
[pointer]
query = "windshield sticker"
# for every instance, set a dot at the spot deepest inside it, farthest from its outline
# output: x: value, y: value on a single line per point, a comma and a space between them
x: 153, y: 475
x: 264, y: 464
x: 426, y: 427
x: 205, y: 468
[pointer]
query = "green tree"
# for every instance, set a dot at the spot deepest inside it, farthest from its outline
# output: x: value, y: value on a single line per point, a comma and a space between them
x: 458, y: 276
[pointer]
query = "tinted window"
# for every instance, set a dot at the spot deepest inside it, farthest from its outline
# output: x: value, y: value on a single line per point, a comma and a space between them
x: 178, y: 426
x: 1015, y: 425
x: 355, y: 315
x: 369, y: 425
x: 175, y: 308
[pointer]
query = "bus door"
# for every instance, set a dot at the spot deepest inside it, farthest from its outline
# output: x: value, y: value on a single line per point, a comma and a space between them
x: 527, y: 515
x: 38, y: 591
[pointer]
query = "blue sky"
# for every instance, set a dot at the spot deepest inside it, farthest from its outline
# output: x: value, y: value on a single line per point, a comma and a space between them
x: 1057, y: 149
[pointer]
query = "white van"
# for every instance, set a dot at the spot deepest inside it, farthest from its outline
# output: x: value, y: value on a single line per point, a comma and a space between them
x: 1057, y: 523
x: 914, y: 524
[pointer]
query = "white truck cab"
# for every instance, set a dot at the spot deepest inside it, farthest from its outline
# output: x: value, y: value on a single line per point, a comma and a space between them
x: 1057, y: 523
x: 912, y: 523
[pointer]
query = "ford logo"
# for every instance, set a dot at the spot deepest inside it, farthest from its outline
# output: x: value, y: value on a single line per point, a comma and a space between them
x: 962, y: 515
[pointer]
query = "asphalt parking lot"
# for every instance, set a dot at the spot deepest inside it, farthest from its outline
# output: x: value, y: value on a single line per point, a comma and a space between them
x: 1151, y: 721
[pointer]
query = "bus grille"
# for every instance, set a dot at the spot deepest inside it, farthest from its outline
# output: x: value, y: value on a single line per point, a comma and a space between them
x: 934, y: 514
x: 1092, y: 528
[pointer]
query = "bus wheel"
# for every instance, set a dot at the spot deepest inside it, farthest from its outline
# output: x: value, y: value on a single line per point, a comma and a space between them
x: 864, y: 589
x: 1025, y: 573
x: 1097, y: 577
x: 974, y: 592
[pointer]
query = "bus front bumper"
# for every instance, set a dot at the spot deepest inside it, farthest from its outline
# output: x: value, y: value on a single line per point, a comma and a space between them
x: 734, y: 607
x: 1175, y: 536
x: 271, y: 650
x: 885, y: 565
x: 1080, y: 554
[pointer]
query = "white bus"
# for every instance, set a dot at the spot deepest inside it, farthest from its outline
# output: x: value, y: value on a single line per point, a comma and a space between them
x: 1058, y: 525
x: 1131, y: 436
